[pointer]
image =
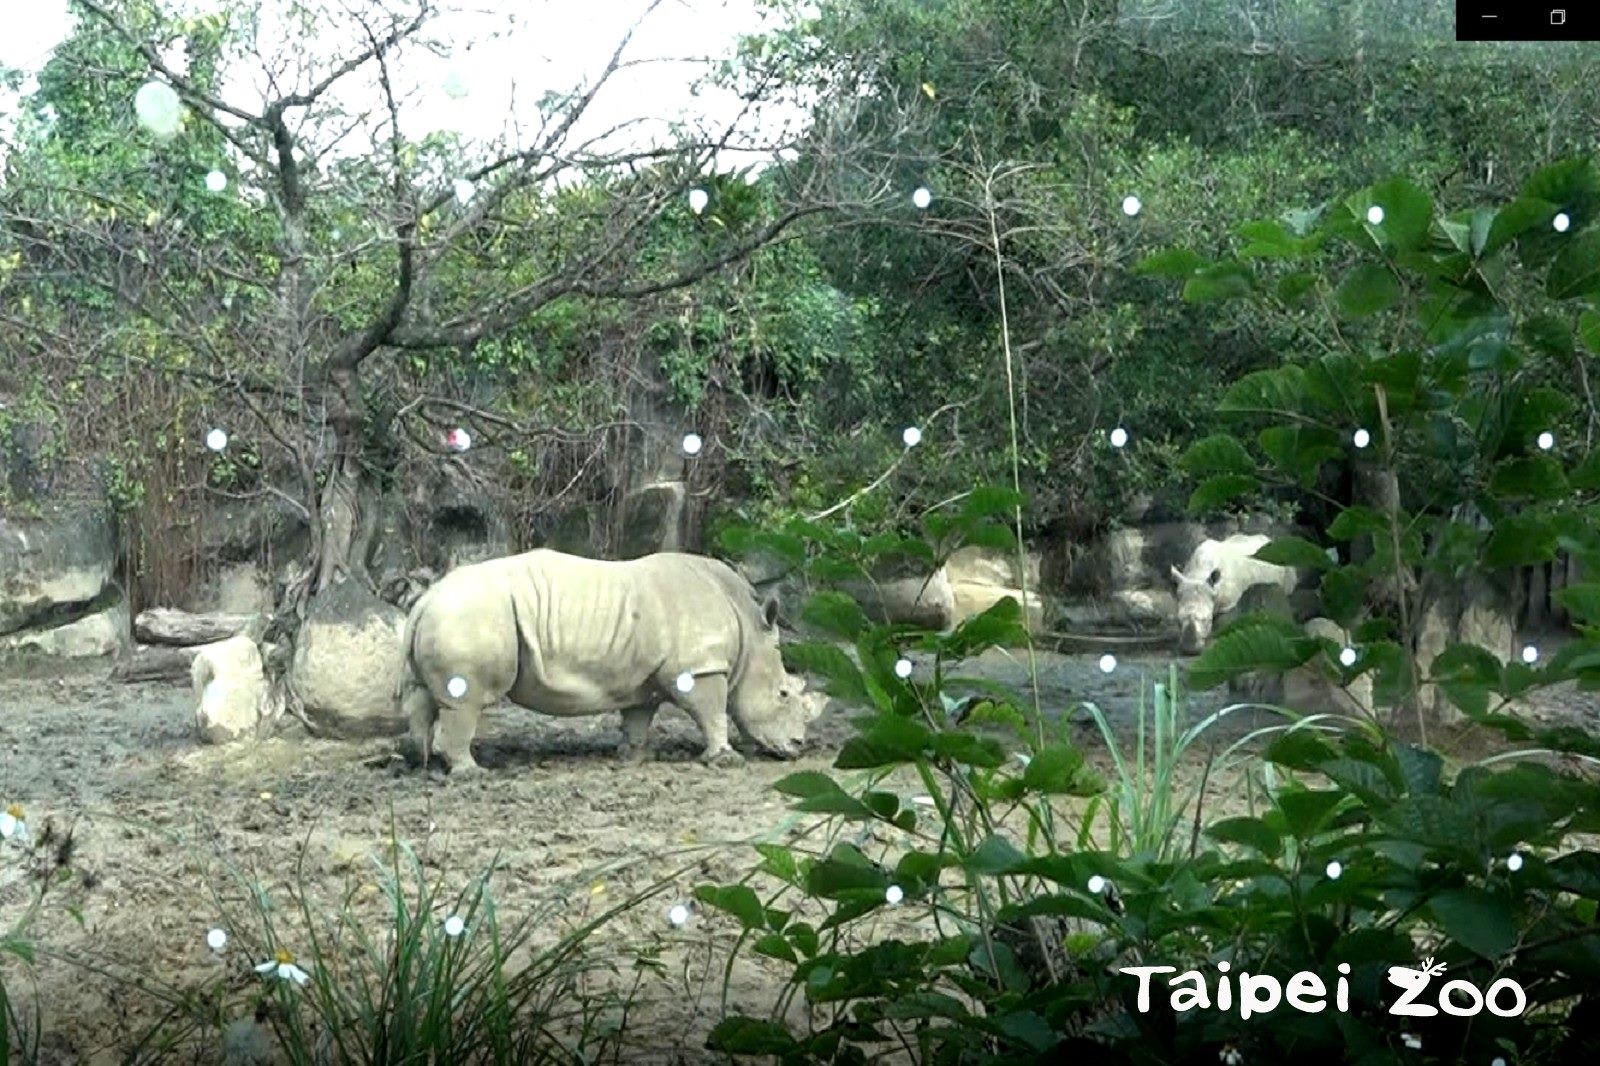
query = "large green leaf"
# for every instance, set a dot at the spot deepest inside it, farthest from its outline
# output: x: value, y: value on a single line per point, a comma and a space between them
x: 1223, y: 281
x: 1407, y: 213
x: 1296, y: 552
x: 1249, y: 832
x: 1582, y: 601
x: 1249, y: 645
x: 1576, y: 269
x: 1171, y: 263
x: 835, y: 613
x: 1279, y: 390
x: 1300, y: 451
x: 1478, y: 920
x: 1535, y: 477
x: 1367, y: 289
x: 1219, y: 453
x: 1216, y: 491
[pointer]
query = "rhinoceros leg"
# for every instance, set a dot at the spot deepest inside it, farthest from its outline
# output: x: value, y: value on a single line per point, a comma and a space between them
x: 636, y: 732
x: 707, y: 704
x: 417, y: 704
x: 458, y: 721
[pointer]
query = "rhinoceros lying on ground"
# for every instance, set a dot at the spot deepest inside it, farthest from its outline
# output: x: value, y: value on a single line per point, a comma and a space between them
x: 1217, y: 575
x: 570, y: 636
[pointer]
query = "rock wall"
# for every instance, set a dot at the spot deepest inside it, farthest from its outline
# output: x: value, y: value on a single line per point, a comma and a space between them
x: 58, y: 596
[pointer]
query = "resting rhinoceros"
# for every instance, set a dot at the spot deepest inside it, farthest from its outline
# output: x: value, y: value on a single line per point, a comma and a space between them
x: 568, y: 636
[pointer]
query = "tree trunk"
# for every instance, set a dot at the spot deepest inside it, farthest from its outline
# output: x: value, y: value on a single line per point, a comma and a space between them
x: 164, y: 625
x: 340, y: 510
x: 153, y: 663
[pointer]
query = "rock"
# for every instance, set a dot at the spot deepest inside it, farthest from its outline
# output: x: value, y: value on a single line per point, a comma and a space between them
x: 652, y: 520
x: 242, y: 531
x: 241, y: 589
x: 101, y: 633
x: 988, y: 566
x: 969, y: 600
x: 1129, y: 610
x: 54, y: 567
x: 233, y: 698
x: 347, y: 662
x: 1315, y: 688
x: 928, y: 602
x: 1478, y: 610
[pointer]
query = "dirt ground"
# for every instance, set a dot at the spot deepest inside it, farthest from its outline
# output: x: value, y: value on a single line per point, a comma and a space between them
x: 153, y: 812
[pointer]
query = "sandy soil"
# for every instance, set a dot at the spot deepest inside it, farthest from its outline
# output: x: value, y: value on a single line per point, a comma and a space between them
x: 154, y: 814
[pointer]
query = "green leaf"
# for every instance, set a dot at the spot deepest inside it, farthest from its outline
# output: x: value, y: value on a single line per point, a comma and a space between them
x: 968, y: 748
x: 1294, y: 552
x: 999, y: 626
x: 888, y: 740
x: 1407, y: 212
x: 843, y: 678
x: 1576, y: 269
x: 1343, y: 595
x: 1299, y: 451
x: 1477, y: 920
x: 1170, y: 263
x: 751, y: 1036
x: 996, y: 855
x: 1249, y: 832
x: 1515, y: 219
x: 1248, y: 645
x: 1589, y: 331
x: 1216, y: 491
x: 1581, y: 601
x: 1217, y: 454
x: 1269, y: 240
x: 1520, y: 540
x: 1277, y: 391
x: 738, y: 900
x: 835, y: 613
x: 1307, y: 811
x: 1367, y: 289
x: 1060, y: 770
x: 1536, y: 477
x: 1358, y: 521
x: 1223, y: 281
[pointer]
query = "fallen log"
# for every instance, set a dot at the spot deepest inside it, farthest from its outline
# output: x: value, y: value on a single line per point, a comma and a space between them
x: 155, y: 663
x: 165, y: 625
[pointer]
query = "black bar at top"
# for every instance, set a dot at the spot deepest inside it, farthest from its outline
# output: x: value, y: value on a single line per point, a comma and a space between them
x: 1527, y: 20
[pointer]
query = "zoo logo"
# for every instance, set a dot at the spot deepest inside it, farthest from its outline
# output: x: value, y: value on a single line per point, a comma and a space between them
x: 1305, y: 992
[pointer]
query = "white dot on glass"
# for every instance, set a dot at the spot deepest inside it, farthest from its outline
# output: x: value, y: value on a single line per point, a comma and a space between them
x: 216, y: 940
x: 685, y: 681
x: 454, y: 926
x: 894, y: 894
x: 1514, y: 863
x: 337, y: 233
x: 1347, y: 657
x: 459, y: 439
x: 1131, y: 205
x: 456, y: 687
x: 158, y: 108
x: 217, y: 440
x: 1361, y: 438
x: 692, y: 444
x: 216, y: 181
x: 678, y: 915
x: 912, y: 436
x: 1097, y: 884
x: 1546, y: 441
x: 902, y: 669
x: 1375, y: 214
x: 464, y: 191
x: 1561, y: 222
x: 1334, y: 870
x: 1108, y: 663
x: 1119, y: 437
x: 922, y: 197
x: 698, y: 199
x: 1530, y: 654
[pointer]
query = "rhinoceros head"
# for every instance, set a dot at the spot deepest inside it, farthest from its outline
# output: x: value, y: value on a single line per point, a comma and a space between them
x: 1197, y: 607
x: 772, y: 707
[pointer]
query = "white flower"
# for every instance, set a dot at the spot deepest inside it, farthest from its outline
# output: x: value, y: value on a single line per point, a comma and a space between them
x: 13, y: 824
x: 216, y: 940
x: 282, y: 966
x: 454, y: 926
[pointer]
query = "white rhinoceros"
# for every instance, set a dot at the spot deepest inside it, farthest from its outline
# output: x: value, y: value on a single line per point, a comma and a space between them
x: 1214, y: 580
x: 565, y: 635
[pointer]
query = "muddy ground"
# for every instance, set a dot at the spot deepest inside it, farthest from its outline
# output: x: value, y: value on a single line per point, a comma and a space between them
x: 154, y: 815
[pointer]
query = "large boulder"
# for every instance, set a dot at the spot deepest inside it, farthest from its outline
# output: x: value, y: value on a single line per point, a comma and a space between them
x: 100, y: 633
x: 232, y: 696
x: 916, y: 599
x: 347, y: 662
x: 653, y: 520
x: 53, y: 568
x: 1476, y: 610
x: 982, y: 577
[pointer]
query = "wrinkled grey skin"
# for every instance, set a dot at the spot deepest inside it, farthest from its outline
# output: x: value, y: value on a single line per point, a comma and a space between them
x: 569, y: 636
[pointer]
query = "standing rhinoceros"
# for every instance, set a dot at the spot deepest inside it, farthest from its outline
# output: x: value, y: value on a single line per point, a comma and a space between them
x: 565, y: 635
x: 1216, y: 577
